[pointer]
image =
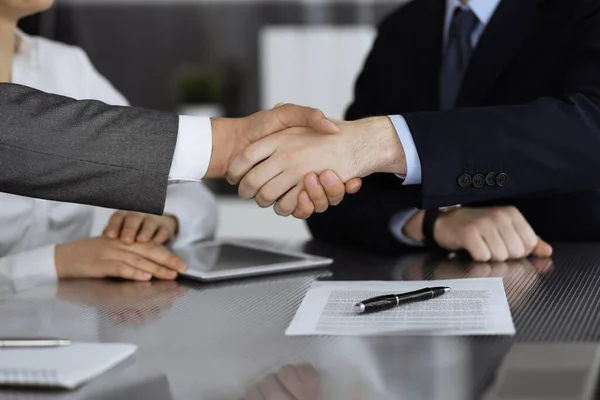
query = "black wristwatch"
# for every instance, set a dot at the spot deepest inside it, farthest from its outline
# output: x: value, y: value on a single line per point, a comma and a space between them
x: 429, y: 219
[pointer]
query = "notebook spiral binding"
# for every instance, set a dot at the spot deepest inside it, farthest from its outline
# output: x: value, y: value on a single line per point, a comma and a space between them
x: 28, y: 377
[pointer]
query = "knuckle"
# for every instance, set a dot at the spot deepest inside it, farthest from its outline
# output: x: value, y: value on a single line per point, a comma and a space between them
x: 316, y: 113
x: 531, y: 242
x: 511, y: 210
x: 136, y: 259
x: 479, y: 254
x: 469, y: 231
x: 283, y: 209
x: 251, y: 182
x: 123, y: 270
x: 494, y: 213
x: 248, y: 154
x: 264, y: 198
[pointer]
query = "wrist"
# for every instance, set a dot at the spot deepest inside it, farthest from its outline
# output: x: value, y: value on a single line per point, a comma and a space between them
x: 380, y: 146
x: 441, y: 232
x: 60, y: 263
x: 225, y: 134
x: 413, y: 228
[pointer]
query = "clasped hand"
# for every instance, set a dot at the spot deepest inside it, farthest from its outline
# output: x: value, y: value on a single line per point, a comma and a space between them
x: 280, y: 167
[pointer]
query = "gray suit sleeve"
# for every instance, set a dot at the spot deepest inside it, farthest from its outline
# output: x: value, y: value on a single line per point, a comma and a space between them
x: 57, y: 148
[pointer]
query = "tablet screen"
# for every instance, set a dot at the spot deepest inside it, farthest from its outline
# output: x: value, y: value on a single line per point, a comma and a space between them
x: 223, y: 257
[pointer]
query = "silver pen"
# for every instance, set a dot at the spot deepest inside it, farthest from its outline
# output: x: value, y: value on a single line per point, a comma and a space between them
x: 25, y: 343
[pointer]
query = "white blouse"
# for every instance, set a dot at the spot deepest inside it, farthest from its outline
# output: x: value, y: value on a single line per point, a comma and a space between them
x: 30, y: 228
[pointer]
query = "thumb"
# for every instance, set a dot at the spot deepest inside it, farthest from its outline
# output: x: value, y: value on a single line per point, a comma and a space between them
x: 542, y: 249
x: 291, y: 115
x: 353, y: 185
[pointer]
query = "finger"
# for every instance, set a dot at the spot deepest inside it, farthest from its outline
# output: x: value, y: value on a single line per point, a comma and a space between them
x: 148, y: 230
x: 494, y: 242
x: 146, y: 265
x: 305, y: 206
x: 310, y: 380
x: 353, y: 185
x: 525, y: 231
x: 272, y: 389
x: 131, y: 226
x: 163, y: 236
x: 473, y: 242
x: 316, y: 192
x: 276, y: 188
x: 115, y: 223
x: 512, y: 240
x: 543, y: 249
x: 334, y: 187
x: 290, y: 379
x: 253, y: 394
x: 248, y: 159
x: 159, y: 254
x: 119, y: 269
x: 290, y: 115
x: 288, y: 202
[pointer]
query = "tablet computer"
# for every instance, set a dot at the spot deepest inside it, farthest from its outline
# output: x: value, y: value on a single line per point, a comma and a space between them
x: 218, y: 260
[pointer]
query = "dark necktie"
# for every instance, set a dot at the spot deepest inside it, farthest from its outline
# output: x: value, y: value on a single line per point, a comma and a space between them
x: 457, y: 56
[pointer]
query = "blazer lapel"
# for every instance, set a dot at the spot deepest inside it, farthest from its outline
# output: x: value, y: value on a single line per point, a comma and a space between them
x: 511, y: 24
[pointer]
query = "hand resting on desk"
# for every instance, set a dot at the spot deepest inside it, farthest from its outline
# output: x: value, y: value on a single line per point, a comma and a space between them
x: 487, y: 233
x: 103, y: 258
x: 132, y: 227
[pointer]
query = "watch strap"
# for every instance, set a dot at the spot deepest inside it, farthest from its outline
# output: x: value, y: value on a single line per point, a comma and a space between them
x: 429, y: 219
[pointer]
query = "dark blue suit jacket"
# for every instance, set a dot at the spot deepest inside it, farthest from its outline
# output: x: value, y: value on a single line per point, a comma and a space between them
x: 529, y: 107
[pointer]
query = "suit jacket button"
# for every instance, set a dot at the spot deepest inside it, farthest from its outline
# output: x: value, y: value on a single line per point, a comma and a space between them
x: 502, y: 179
x: 465, y: 180
x: 490, y: 179
x: 478, y: 181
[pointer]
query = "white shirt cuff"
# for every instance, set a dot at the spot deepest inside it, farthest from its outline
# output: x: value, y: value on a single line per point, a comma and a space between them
x: 413, y: 163
x: 192, y: 151
x: 195, y: 208
x: 397, y: 227
x: 31, y: 268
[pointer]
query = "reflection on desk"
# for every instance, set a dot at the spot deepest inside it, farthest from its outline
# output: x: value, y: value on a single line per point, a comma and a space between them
x: 217, y: 341
x: 520, y: 277
x: 122, y: 302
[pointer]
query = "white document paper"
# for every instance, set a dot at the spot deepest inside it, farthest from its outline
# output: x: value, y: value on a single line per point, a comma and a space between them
x: 471, y: 307
x: 63, y: 367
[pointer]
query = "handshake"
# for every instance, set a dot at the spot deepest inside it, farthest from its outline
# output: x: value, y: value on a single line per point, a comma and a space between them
x: 296, y: 159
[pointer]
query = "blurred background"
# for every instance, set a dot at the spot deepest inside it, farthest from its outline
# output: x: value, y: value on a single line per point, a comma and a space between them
x: 224, y: 58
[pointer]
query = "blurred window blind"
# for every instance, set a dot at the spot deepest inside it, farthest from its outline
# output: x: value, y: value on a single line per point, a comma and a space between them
x: 313, y: 66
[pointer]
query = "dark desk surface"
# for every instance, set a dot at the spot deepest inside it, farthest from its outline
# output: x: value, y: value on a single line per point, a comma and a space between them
x: 212, y: 341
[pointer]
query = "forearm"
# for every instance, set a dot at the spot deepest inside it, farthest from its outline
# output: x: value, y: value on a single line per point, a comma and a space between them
x: 547, y: 146
x: 61, y: 149
x: 29, y: 268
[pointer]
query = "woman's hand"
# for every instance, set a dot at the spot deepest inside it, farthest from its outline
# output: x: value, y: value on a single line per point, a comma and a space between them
x: 103, y: 258
x: 133, y: 227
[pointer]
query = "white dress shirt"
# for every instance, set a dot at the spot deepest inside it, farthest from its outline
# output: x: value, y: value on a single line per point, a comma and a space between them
x: 484, y: 10
x: 32, y: 227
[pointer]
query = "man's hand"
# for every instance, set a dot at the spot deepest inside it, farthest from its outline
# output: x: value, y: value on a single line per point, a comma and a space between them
x: 271, y: 169
x: 132, y: 226
x: 322, y: 191
x: 103, y: 258
x: 488, y: 234
x: 231, y: 136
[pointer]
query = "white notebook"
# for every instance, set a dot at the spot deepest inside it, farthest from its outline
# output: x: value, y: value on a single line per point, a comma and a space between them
x: 61, y: 367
